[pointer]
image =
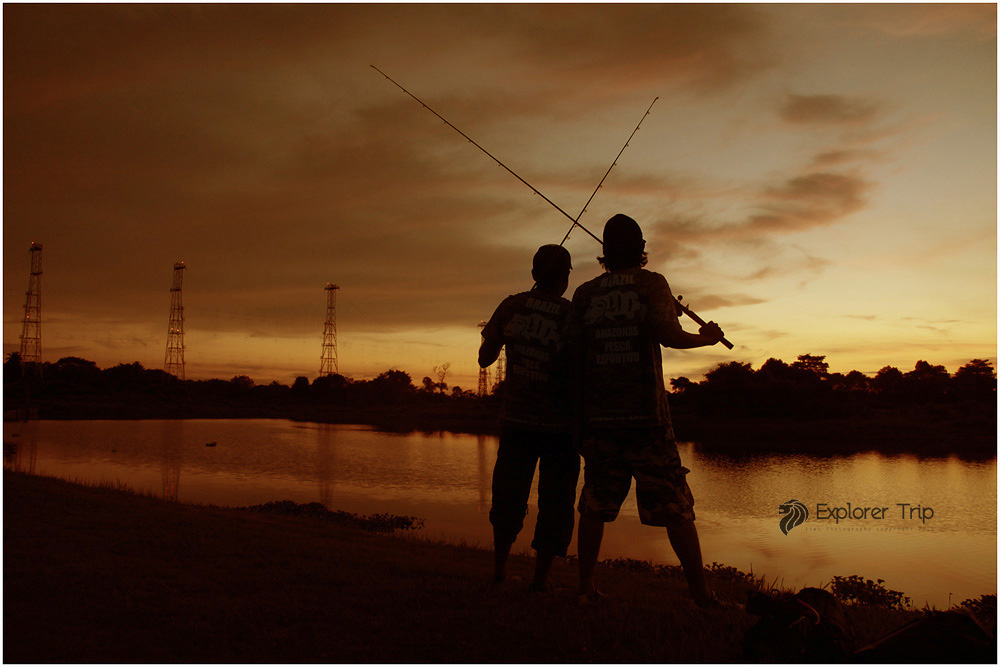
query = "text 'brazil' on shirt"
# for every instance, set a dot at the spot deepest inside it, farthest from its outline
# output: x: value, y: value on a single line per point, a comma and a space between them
x: 618, y: 320
x: 532, y: 327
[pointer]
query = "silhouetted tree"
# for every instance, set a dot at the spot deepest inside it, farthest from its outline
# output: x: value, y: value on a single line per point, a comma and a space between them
x: 857, y: 381
x: 778, y: 388
x: 976, y: 380
x: 242, y: 383
x: 441, y: 372
x: 776, y: 370
x: 392, y: 386
x: 329, y: 387
x: 727, y: 388
x: 12, y: 368
x: 123, y: 377
x: 888, y: 382
x: 812, y: 363
x: 926, y: 383
x: 499, y: 389
x: 682, y: 385
x: 300, y: 388
x: 272, y: 392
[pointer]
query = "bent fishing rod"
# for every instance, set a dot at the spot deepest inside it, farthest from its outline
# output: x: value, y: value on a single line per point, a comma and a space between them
x: 576, y: 221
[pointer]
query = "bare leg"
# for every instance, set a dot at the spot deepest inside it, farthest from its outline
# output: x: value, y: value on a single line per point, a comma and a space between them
x: 543, y: 563
x: 590, y: 532
x: 684, y: 540
x: 501, y: 550
x: 558, y: 473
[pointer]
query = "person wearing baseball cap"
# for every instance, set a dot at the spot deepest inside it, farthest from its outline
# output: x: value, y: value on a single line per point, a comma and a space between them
x: 618, y: 322
x: 536, y: 416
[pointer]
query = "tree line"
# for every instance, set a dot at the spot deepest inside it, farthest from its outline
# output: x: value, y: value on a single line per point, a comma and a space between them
x: 76, y: 377
x: 805, y: 389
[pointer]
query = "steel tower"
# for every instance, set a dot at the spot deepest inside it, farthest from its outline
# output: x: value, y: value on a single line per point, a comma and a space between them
x: 328, y: 363
x: 501, y: 373
x: 484, y: 374
x: 173, y: 362
x: 31, y: 333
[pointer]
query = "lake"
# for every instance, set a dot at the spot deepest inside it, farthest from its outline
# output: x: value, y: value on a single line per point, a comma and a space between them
x: 935, y: 539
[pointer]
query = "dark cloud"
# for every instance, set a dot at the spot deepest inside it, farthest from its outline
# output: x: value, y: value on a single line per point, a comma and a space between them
x: 806, y: 264
x: 827, y: 109
x: 263, y: 196
x: 802, y: 202
x: 978, y: 20
x: 807, y: 201
x: 700, y: 47
x: 843, y: 156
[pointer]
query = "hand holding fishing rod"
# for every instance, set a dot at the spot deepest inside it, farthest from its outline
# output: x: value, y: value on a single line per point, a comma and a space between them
x: 710, y: 328
x: 576, y: 221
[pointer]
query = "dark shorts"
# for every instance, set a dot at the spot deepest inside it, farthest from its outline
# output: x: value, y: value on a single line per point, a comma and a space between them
x: 614, y: 456
x: 558, y: 472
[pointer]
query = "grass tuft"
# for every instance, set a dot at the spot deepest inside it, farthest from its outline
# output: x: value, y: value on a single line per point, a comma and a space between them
x: 377, y: 523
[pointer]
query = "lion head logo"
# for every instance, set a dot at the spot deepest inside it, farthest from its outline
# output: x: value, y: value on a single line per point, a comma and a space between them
x: 794, y: 512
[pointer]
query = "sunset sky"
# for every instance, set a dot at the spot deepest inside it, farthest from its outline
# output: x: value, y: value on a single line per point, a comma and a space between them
x: 816, y: 178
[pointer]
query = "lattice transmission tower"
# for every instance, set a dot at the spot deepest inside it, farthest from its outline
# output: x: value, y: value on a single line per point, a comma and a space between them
x: 328, y: 363
x: 501, y: 373
x: 484, y: 374
x: 31, y: 332
x: 173, y: 362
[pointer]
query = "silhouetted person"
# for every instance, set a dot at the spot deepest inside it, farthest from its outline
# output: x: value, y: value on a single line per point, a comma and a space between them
x: 619, y: 321
x: 536, y: 416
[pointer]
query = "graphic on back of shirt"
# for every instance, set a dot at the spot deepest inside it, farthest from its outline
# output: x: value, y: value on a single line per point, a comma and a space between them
x: 531, y: 326
x: 623, y: 383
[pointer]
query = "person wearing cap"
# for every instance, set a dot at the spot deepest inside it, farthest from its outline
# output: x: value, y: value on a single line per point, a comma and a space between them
x: 536, y: 416
x: 618, y: 322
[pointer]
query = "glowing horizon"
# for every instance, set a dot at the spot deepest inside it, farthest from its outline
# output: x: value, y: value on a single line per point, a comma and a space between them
x: 818, y: 179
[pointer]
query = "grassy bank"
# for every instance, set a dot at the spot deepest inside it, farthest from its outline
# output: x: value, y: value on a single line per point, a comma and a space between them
x: 96, y: 574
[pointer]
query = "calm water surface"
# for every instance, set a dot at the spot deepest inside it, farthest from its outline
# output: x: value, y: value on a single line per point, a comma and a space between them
x: 444, y: 478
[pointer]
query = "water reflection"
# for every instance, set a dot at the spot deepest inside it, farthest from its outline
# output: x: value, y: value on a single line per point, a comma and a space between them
x: 325, y: 463
x: 173, y: 435
x: 484, y: 474
x: 20, y: 449
x: 445, y: 479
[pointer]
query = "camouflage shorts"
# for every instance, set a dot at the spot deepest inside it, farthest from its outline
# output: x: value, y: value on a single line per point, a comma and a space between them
x: 614, y: 456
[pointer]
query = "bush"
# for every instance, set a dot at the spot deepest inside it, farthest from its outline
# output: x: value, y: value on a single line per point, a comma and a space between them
x: 858, y: 590
x: 984, y: 608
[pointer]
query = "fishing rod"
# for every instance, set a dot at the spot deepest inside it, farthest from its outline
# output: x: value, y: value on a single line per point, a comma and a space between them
x: 576, y: 221
x: 694, y: 316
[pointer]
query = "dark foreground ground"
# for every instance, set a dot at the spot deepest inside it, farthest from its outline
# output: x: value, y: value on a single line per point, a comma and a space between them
x: 102, y: 575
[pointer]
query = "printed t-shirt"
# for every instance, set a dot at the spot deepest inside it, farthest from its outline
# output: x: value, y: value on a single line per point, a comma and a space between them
x: 617, y: 322
x: 536, y: 392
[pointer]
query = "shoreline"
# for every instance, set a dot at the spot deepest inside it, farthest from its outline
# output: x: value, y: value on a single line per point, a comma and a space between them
x: 927, y: 436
